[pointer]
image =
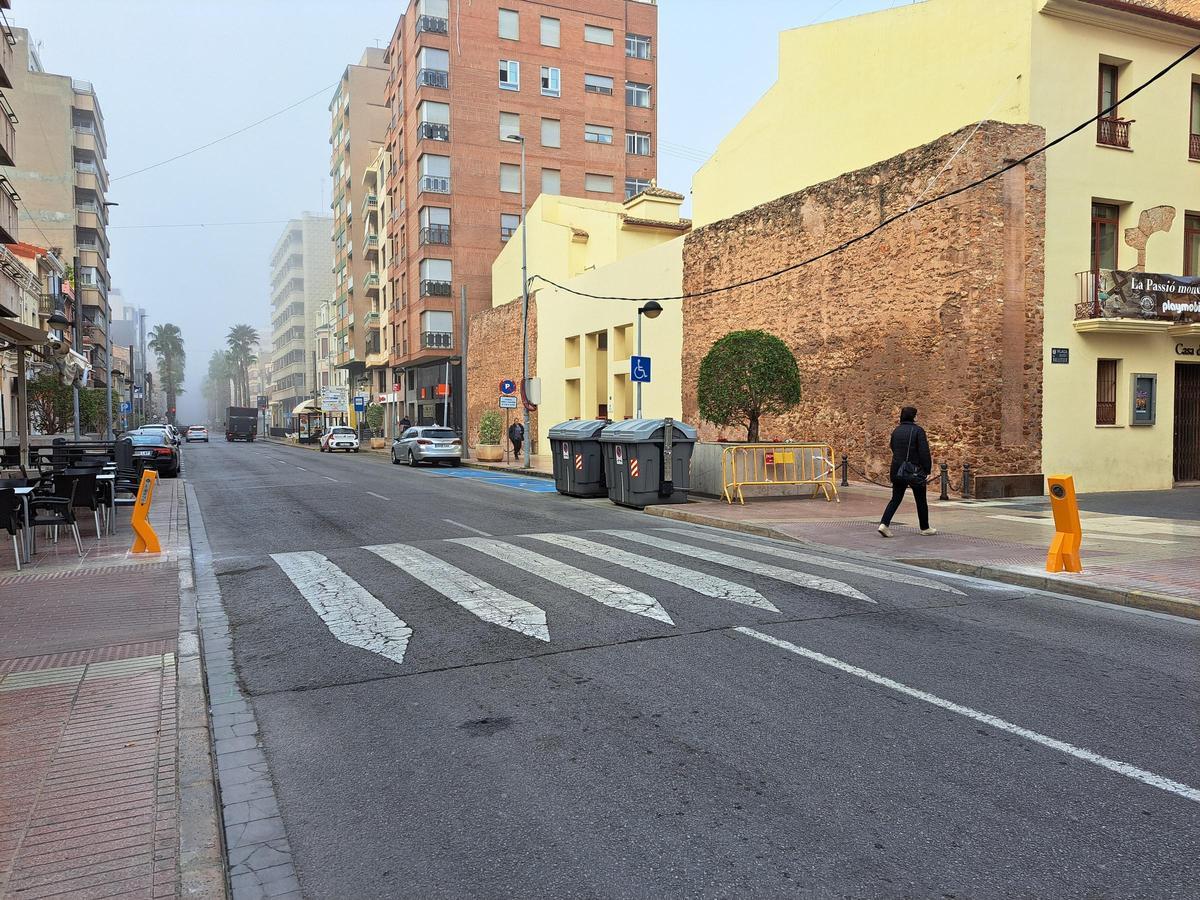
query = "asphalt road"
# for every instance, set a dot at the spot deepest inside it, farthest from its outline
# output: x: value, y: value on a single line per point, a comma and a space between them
x: 449, y: 718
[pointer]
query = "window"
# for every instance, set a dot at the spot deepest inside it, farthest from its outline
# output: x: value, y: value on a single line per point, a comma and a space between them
x: 433, y: 58
x: 637, y: 46
x: 435, y: 278
x: 600, y: 184
x: 1111, y: 129
x: 551, y: 136
x: 551, y: 81
x: 510, y: 124
x: 634, y: 186
x: 510, y: 25
x: 510, y: 178
x: 598, y: 134
x: 550, y: 31
x: 509, y: 222
x: 510, y: 75
x: 637, y: 143
x: 1108, y: 89
x: 1106, y: 392
x: 435, y: 173
x: 595, y: 34
x: 435, y: 225
x: 1194, y: 137
x: 1106, y: 224
x: 551, y: 181
x: 438, y: 113
x: 598, y: 84
x: 637, y: 94
x: 1191, y: 244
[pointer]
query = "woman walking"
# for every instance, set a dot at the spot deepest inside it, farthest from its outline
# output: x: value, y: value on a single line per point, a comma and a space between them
x: 911, y: 465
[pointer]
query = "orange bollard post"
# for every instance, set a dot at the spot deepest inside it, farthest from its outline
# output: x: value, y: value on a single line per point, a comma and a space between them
x: 1064, y: 548
x: 145, y: 540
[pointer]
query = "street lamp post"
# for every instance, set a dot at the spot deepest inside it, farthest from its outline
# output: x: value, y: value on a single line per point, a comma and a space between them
x: 75, y: 341
x: 651, y: 310
x: 520, y: 138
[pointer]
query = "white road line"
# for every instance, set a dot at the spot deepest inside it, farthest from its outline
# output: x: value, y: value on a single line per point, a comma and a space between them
x: 813, y: 559
x: 600, y: 589
x: 753, y: 566
x: 467, y: 527
x: 301, y: 468
x: 477, y: 597
x: 701, y: 583
x: 1114, y: 765
x: 352, y: 614
x: 380, y: 496
x: 331, y: 479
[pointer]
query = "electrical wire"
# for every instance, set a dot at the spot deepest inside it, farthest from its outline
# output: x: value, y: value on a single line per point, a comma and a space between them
x: 871, y: 232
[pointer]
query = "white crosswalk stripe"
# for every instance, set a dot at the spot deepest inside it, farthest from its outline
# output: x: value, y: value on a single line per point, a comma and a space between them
x: 800, y: 579
x: 701, y: 583
x: 487, y: 602
x: 813, y: 559
x: 352, y: 614
x: 617, y: 596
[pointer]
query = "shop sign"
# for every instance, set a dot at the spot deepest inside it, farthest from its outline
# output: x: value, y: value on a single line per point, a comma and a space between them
x: 1185, y: 350
x: 1147, y: 295
x: 1060, y: 355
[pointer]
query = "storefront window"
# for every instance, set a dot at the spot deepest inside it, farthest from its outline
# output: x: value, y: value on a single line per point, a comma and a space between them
x: 1106, y: 222
x: 1191, y: 245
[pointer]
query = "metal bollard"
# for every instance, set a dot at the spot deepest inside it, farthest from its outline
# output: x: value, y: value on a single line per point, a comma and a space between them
x: 845, y: 471
x: 945, y: 495
x: 966, y: 482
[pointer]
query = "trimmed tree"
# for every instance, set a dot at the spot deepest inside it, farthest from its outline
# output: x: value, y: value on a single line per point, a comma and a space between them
x: 373, y: 416
x: 745, y: 376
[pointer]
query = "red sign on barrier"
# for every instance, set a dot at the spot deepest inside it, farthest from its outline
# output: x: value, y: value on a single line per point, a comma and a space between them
x: 769, y: 458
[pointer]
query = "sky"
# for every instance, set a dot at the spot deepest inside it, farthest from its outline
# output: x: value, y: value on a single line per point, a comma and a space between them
x: 172, y: 75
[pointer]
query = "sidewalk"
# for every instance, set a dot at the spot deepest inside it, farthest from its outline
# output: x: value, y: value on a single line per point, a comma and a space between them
x: 1152, y: 562
x: 99, y: 763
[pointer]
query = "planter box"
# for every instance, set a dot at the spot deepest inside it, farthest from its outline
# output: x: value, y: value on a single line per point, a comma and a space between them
x: 489, y: 452
x: 378, y: 443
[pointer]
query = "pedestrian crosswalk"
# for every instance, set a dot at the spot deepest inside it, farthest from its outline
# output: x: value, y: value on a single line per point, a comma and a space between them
x: 457, y: 569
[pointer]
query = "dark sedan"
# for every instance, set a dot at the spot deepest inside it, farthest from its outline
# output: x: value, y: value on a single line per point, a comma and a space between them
x: 153, y: 448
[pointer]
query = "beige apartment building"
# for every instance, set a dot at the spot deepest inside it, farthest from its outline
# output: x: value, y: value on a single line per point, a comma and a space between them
x: 301, y: 282
x: 9, y: 280
x: 62, y: 181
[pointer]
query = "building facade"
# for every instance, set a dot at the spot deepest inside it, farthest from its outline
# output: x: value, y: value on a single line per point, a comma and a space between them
x: 301, y: 283
x: 9, y: 284
x: 63, y: 186
x: 571, y: 83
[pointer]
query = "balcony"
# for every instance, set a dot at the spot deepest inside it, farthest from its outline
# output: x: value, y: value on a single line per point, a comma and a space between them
x: 8, y: 40
x: 431, y: 288
x: 1194, y: 147
x: 47, y: 303
x: 1113, y: 132
x: 1108, y: 301
x: 371, y: 284
x: 432, y: 25
x: 370, y: 204
x: 437, y: 340
x: 8, y: 131
x: 432, y: 131
x: 8, y: 211
x: 434, y: 234
x: 435, y: 78
x: 85, y: 139
x: 435, y: 184
x: 371, y: 245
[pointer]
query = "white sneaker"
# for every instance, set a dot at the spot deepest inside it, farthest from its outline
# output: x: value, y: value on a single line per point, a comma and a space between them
x: 928, y: 532
x: 884, y: 531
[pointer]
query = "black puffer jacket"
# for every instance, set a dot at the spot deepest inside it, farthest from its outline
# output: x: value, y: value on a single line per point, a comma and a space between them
x: 919, y: 452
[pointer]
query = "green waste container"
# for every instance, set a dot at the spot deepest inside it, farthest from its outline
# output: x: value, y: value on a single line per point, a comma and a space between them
x: 639, y: 467
x: 578, y: 459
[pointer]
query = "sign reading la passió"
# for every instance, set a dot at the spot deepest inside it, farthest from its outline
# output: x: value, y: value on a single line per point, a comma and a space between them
x: 1146, y: 295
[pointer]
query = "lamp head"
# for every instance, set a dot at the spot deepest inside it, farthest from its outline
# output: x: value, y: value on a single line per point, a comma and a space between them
x: 58, y: 319
x: 650, y: 310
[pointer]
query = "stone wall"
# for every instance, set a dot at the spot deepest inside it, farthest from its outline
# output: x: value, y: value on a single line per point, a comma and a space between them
x: 493, y: 354
x: 941, y: 310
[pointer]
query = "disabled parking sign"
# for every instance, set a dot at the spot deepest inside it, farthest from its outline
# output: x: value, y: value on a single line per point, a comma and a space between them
x: 639, y: 369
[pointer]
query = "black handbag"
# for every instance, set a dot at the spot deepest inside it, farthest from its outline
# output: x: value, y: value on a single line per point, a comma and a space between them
x: 909, y: 473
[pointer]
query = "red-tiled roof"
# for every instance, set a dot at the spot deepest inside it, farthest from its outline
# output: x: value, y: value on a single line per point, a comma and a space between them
x: 1180, y: 12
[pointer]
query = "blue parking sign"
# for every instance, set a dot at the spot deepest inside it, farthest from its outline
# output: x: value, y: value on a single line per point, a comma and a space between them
x: 360, y: 402
x: 126, y: 406
x: 639, y: 369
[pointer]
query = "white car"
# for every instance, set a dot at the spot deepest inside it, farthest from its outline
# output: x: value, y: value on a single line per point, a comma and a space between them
x: 339, y: 438
x: 196, y: 433
x: 171, y: 432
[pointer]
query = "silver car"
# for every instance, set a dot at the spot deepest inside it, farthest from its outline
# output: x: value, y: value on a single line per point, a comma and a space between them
x: 427, y: 443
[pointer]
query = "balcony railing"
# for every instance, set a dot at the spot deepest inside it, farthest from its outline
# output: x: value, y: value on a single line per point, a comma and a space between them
x: 1113, y: 132
x: 1103, y: 294
x: 371, y: 319
x: 47, y: 303
x: 433, y: 131
x: 435, y: 184
x: 434, y: 234
x: 1194, y: 146
x: 371, y: 281
x: 431, y: 288
x: 438, y: 78
x: 432, y: 25
x: 437, y: 340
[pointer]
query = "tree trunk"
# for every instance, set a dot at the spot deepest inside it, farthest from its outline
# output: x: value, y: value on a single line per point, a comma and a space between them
x: 752, y: 429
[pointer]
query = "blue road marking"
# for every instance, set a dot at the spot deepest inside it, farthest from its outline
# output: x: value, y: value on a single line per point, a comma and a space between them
x: 517, y: 482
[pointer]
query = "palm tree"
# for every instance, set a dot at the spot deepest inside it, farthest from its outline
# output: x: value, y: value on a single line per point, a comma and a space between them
x: 242, y: 340
x: 216, y: 385
x: 166, y: 341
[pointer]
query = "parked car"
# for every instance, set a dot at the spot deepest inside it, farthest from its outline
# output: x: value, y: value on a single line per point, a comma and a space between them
x: 153, y: 448
x: 339, y: 438
x: 196, y: 433
x: 427, y: 443
x: 169, y: 430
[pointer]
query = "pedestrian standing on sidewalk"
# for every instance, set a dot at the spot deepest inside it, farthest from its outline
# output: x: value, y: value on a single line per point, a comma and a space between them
x: 911, y: 465
x: 516, y: 436
x: 405, y: 424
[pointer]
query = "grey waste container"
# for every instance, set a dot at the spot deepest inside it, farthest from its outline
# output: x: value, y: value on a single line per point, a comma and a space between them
x: 634, y: 457
x: 578, y: 460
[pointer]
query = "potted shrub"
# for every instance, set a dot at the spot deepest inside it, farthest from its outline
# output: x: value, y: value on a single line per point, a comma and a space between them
x: 491, y: 428
x: 374, y: 419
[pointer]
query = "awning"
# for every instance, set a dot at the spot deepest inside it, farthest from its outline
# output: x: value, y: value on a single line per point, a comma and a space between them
x: 22, y: 335
x: 307, y: 408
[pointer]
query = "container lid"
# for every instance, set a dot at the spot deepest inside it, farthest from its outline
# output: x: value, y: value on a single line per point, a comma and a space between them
x: 578, y: 430
x: 634, y: 430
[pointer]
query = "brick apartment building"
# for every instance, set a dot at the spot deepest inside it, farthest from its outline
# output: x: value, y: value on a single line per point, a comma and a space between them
x: 576, y: 79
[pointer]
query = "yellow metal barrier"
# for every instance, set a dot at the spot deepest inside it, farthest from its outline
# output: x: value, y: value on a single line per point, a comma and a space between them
x: 145, y: 540
x: 744, y: 465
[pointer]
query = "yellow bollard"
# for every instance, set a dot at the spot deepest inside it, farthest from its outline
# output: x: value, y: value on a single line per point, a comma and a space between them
x: 145, y: 540
x: 1068, y: 534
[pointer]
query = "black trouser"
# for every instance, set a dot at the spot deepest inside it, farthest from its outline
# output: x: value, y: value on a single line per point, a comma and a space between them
x: 898, y: 488
x: 516, y: 445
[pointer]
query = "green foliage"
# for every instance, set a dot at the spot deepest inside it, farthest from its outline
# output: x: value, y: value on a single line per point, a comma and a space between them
x: 51, y: 410
x: 242, y: 340
x: 166, y: 342
x: 373, y: 415
x: 747, y: 375
x: 490, y: 426
x: 91, y: 410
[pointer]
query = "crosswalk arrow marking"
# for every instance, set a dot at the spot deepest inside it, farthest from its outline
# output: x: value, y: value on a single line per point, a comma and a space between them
x: 800, y: 579
x: 477, y: 597
x: 600, y: 589
x: 350, y: 612
x: 701, y: 583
